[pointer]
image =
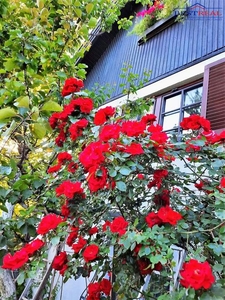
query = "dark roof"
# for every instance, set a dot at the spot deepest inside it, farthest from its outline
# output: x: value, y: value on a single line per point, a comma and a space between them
x: 101, y: 40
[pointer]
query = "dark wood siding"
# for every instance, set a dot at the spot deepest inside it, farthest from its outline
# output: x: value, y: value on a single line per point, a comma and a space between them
x: 214, y: 94
x: 215, y: 109
x: 174, y: 49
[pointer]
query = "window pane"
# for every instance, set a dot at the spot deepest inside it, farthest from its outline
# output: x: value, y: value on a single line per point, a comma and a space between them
x: 172, y: 103
x: 196, y: 110
x: 193, y: 96
x: 171, y: 122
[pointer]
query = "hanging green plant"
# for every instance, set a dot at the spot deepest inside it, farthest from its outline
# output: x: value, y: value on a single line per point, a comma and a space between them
x: 149, y: 17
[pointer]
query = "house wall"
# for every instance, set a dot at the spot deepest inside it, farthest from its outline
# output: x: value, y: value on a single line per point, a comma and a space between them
x: 177, y: 47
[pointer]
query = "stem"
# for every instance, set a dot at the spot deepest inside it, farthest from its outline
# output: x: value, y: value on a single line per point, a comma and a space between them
x: 206, y: 230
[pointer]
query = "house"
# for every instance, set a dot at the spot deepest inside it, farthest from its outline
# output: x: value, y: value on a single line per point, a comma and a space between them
x: 187, y: 60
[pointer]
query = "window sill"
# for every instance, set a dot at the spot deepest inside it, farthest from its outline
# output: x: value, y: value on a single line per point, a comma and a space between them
x: 157, y: 28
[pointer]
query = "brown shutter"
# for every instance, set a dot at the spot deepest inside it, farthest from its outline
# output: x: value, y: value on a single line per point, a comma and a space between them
x: 213, y: 102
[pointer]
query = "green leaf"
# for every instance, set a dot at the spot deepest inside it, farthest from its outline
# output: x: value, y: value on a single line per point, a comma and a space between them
x: 218, y: 267
x: 147, y: 250
x: 51, y: 106
x: 9, y: 64
x: 89, y: 7
x: 5, y: 170
x: 112, y: 172
x: 78, y: 12
x: 22, y: 101
x: 21, y: 278
x: 4, y: 192
x: 55, y: 240
x: 3, y: 252
x: 3, y: 208
x: 220, y: 213
x: 121, y: 186
x: 3, y: 241
x: 38, y: 183
x: 217, y: 248
x: 126, y: 244
x: 39, y: 130
x: 92, y: 22
x: 7, y: 113
x: 125, y: 171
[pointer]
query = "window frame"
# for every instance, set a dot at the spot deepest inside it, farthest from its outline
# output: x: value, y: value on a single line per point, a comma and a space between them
x: 160, y: 110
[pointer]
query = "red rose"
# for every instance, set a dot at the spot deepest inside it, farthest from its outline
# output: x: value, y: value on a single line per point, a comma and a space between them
x: 144, y: 266
x: 70, y: 189
x: 148, y: 119
x: 153, y: 219
x: 60, y: 138
x: 72, y: 85
x: 159, y: 137
x: 64, y: 157
x: 95, y: 181
x: 93, y: 230
x: 133, y: 128
x: 134, y: 149
x: 93, y: 154
x: 140, y: 176
x: 197, y: 275
x: 63, y: 270
x: 100, y: 117
x: 160, y: 174
x: 105, y: 286
x: 85, y: 105
x: 15, y: 261
x: 65, y: 209
x: 119, y: 225
x: 59, y: 261
x: 167, y: 215
x: 195, y: 122
x: 103, y: 114
x: 76, y: 129
x: 72, y: 236
x: 54, y: 169
x: 105, y: 225
x: 108, y: 132
x: 163, y: 198
x: 79, y: 245
x: 155, y: 128
x: 33, y: 246
x: 222, y: 182
x: 49, y: 222
x: 137, y: 249
x: 90, y: 253
x: 72, y: 167
x: 93, y: 291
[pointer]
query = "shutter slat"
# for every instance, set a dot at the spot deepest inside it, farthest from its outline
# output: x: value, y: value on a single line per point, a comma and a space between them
x: 215, y: 111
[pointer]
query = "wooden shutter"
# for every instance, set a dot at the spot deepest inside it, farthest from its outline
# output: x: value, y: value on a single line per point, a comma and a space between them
x: 213, y: 102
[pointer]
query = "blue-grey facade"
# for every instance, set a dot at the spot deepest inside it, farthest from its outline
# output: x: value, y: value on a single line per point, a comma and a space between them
x: 175, y: 48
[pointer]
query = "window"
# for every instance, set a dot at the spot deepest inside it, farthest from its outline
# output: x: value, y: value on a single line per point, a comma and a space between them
x: 178, y: 105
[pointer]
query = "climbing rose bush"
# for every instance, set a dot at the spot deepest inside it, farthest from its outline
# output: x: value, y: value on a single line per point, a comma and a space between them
x: 129, y: 198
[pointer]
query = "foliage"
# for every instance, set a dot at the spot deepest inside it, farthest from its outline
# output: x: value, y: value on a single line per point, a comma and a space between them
x: 156, y: 10
x: 42, y: 43
x: 123, y: 184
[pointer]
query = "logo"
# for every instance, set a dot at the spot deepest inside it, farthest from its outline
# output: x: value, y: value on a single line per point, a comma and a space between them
x: 199, y: 11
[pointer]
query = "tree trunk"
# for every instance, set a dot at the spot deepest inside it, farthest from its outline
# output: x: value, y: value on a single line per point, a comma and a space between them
x: 7, y: 285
